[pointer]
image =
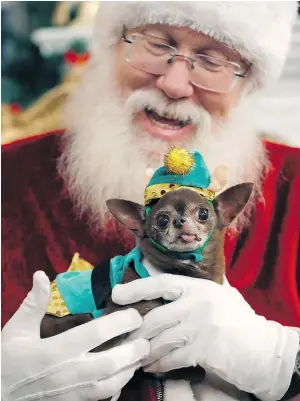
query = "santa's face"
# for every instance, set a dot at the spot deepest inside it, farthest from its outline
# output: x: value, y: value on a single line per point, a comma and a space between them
x: 143, y: 65
x: 122, y: 119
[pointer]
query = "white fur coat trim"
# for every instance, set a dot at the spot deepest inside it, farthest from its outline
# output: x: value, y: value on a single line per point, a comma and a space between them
x: 178, y: 390
x: 211, y: 389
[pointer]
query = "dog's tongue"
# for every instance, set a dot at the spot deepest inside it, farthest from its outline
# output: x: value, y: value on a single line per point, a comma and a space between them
x: 188, y: 237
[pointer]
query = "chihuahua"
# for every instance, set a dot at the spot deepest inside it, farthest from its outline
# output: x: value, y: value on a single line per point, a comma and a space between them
x: 168, y: 233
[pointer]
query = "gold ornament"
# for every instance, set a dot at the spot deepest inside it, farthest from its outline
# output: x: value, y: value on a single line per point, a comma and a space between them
x: 178, y: 161
x: 45, y: 115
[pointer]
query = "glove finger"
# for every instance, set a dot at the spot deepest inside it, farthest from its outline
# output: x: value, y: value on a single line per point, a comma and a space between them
x: 27, y: 319
x: 105, y: 364
x: 176, y: 359
x: 151, y: 332
x: 158, y: 320
x: 165, y: 286
x: 111, y: 386
x: 164, y: 343
x: 90, y: 335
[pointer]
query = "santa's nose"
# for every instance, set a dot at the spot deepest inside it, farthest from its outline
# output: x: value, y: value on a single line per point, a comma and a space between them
x: 175, y: 83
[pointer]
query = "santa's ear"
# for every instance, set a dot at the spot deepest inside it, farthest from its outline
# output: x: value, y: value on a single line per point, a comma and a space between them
x: 130, y: 214
x: 232, y: 201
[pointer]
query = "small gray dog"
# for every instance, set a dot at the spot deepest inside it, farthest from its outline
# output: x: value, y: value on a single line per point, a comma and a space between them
x: 181, y: 233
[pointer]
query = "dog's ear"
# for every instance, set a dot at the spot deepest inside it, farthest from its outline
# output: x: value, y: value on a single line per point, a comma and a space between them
x: 130, y: 214
x: 231, y: 202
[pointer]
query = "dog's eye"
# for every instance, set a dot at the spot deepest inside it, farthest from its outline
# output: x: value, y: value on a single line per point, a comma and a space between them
x: 162, y: 220
x: 203, y: 214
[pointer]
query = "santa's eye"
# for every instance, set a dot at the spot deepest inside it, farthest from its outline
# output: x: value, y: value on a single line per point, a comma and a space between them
x: 203, y: 214
x: 162, y: 220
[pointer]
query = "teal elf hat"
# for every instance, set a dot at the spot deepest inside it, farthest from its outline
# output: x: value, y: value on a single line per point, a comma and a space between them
x: 182, y: 169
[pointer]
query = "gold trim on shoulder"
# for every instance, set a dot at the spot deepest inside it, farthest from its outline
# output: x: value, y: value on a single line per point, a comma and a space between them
x: 79, y: 264
x: 159, y: 190
x: 57, y: 306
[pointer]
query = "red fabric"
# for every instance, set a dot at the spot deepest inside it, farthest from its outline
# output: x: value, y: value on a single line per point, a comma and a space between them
x: 265, y: 266
x: 39, y: 228
x: 41, y: 231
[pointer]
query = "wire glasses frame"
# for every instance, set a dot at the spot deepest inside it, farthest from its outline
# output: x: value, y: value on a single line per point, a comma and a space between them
x: 154, y: 55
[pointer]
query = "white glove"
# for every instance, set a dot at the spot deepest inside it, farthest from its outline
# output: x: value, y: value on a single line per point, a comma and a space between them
x: 213, y: 326
x: 60, y: 367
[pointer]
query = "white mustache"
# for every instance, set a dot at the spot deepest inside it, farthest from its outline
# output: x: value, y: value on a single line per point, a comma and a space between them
x: 176, y: 109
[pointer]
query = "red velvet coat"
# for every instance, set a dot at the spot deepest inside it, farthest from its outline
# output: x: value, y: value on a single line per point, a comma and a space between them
x: 41, y: 232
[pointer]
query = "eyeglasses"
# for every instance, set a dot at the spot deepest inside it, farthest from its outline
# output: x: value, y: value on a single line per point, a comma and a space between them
x: 155, y: 55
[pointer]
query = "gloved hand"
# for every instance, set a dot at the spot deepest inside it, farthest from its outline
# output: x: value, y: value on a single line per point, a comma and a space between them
x: 211, y: 325
x: 60, y: 367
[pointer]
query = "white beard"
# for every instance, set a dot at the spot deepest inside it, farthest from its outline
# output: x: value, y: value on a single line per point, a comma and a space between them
x: 106, y: 156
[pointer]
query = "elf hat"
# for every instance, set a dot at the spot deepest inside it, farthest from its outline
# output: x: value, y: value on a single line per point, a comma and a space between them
x: 259, y: 30
x: 182, y: 169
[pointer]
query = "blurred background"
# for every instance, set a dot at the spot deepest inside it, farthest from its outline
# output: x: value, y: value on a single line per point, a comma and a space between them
x: 45, y: 48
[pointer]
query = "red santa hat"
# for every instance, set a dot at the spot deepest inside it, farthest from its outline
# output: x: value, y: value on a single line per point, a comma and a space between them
x: 259, y: 30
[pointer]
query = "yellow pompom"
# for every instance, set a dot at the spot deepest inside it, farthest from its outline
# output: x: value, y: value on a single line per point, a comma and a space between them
x: 178, y: 161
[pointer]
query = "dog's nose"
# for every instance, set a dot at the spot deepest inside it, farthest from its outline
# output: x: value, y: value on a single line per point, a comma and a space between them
x: 179, y: 222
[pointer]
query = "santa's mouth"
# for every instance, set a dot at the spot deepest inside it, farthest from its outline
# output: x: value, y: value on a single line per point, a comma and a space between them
x: 166, y: 120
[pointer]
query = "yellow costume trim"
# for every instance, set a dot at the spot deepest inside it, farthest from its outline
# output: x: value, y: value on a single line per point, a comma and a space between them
x: 79, y: 264
x: 57, y: 306
x: 159, y: 190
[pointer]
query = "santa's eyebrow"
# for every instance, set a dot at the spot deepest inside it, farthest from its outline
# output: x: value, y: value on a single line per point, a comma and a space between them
x: 209, y: 43
x: 160, y: 34
x: 213, y: 51
x: 171, y: 40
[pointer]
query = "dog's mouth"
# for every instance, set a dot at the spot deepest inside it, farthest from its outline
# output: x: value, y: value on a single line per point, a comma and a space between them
x: 188, y: 238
